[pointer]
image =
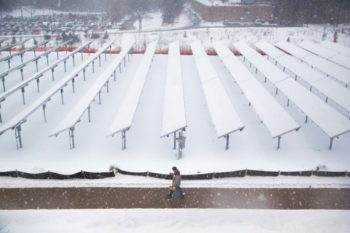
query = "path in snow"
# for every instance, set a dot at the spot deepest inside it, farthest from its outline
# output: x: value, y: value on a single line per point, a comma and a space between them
x: 243, y: 198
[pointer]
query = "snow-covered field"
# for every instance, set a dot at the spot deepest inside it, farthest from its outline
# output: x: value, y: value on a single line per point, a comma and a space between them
x: 253, y: 148
x: 178, y: 220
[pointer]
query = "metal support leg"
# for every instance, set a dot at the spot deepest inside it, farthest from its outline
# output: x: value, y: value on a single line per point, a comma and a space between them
x: 37, y: 85
x: 34, y: 52
x: 276, y: 91
x: 227, y: 141
x: 123, y: 139
x: 84, y: 74
x: 36, y: 65
x: 23, y: 98
x: 44, y: 111
x: 18, y: 137
x: 81, y: 55
x: 73, y: 87
x: 99, y: 97
x: 330, y: 143
x: 62, y: 96
x: 21, y: 70
x: 47, y: 59
x: 288, y: 103
x: 99, y: 60
x: 264, y: 79
x: 278, y: 142
x: 93, y: 66
x: 73, y: 60
x: 114, y: 75
x: 107, y: 86
x: 89, y: 113
x: 71, y: 138
x: 53, y: 74
x: 326, y: 99
x: 57, y: 55
x: 106, y: 55
x: 3, y: 83
x: 65, y: 65
x: 306, y: 119
x: 124, y: 61
x: 9, y: 63
x: 174, y: 141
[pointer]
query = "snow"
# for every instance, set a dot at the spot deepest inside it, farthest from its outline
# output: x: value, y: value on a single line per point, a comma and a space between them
x: 245, y: 49
x: 292, y: 49
x: 329, y: 54
x: 329, y: 120
x: 268, y: 48
x: 314, y: 48
x: 223, y: 114
x: 74, y: 116
x: 218, y: 2
x: 175, y: 220
x: 336, y: 47
x: 26, y: 81
x: 174, y: 117
x: 337, y: 72
x: 43, y: 99
x: 125, y: 115
x: 271, y: 113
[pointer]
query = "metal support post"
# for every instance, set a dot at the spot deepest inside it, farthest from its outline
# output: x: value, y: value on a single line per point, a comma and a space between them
x: 276, y: 91
x: 0, y: 114
x: 107, y: 86
x: 128, y: 57
x: 36, y: 65
x: 73, y: 60
x: 326, y: 99
x: 62, y: 96
x: 53, y: 74
x: 23, y: 98
x: 93, y: 66
x: 288, y: 103
x: 330, y: 143
x: 99, y: 97
x: 306, y: 119
x: 71, y: 138
x: 89, y: 113
x: 81, y: 55
x: 37, y: 84
x: 34, y: 52
x: 66, y: 49
x: 18, y: 137
x: 264, y: 79
x: 84, y: 74
x: 47, y: 59
x: 174, y: 141
x: 278, y: 142
x: 57, y: 55
x: 3, y: 83
x: 73, y: 85
x: 99, y: 60
x: 124, y: 61
x: 106, y: 54
x: 114, y: 76
x: 21, y: 70
x: 227, y: 141
x: 65, y: 65
x: 44, y: 111
x: 9, y: 63
x: 123, y: 139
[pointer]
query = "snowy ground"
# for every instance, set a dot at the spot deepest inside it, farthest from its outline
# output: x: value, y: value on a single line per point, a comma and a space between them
x: 179, y: 220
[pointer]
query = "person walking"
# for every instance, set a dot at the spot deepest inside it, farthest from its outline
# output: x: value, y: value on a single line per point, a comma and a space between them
x: 175, y: 186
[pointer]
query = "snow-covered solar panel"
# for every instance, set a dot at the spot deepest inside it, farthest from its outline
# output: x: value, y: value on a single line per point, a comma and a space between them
x: 125, y: 114
x: 174, y: 117
x: 271, y: 113
x: 78, y: 110
x: 223, y: 115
